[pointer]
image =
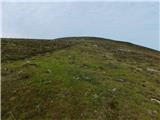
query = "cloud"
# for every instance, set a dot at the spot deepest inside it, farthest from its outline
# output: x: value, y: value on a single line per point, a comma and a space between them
x: 136, y: 22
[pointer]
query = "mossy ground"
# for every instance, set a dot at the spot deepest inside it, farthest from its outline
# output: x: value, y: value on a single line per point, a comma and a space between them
x: 89, y: 80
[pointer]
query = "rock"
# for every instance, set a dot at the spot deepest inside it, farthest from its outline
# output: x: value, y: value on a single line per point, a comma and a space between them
x: 48, y: 71
x: 83, y: 65
x: 76, y: 77
x: 114, y: 90
x: 95, y: 111
x: 28, y: 61
x: 38, y: 107
x: 14, y: 91
x: 155, y: 100
x: 109, y: 78
x: 139, y: 69
x: 121, y: 80
x: 95, y: 46
x: 149, y: 112
x: 5, y: 69
x: 95, y: 96
x: 152, y: 112
x: 125, y: 50
x: 69, y: 56
x: 155, y: 112
x: 152, y: 70
x: 82, y: 77
x: 86, y: 93
x: 12, y: 98
x: 44, y: 82
x: 23, y: 75
x: 87, y: 78
x: 21, y: 71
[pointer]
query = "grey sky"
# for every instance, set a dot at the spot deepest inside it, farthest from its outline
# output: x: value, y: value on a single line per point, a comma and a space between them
x: 136, y: 22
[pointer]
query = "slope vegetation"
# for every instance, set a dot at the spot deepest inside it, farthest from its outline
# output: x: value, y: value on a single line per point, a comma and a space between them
x: 79, y: 78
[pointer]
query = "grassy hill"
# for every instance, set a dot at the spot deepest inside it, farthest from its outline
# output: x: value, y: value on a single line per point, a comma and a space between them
x: 79, y: 78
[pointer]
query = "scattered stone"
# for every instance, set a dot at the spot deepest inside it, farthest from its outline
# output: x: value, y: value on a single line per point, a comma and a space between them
x: 155, y: 100
x: 12, y: 98
x: 103, y: 56
x: 126, y: 50
x: 82, y: 77
x: 114, y: 90
x: 86, y: 93
x: 47, y: 82
x: 139, y: 69
x: 109, y: 78
x: 23, y: 75
x: 121, y: 80
x: 44, y: 82
x: 28, y: 61
x: 155, y: 112
x: 152, y: 112
x: 14, y: 91
x: 87, y: 78
x: 5, y: 69
x: 21, y: 71
x: 69, y: 56
x: 152, y: 70
x: 47, y: 53
x: 95, y: 111
x: 95, y: 96
x: 52, y: 101
x: 76, y: 77
x: 83, y: 65
x: 81, y: 114
x: 37, y: 106
x: 95, y: 46
x: 108, y: 56
x: 48, y: 71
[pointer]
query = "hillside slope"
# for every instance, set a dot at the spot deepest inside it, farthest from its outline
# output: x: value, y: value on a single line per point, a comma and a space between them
x: 79, y: 78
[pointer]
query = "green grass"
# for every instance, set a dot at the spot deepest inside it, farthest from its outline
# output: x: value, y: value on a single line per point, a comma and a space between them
x: 80, y: 82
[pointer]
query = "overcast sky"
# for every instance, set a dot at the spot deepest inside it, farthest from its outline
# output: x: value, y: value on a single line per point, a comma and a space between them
x: 136, y: 22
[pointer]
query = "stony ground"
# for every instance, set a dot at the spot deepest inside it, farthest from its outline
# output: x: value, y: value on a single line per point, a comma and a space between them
x: 82, y: 78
